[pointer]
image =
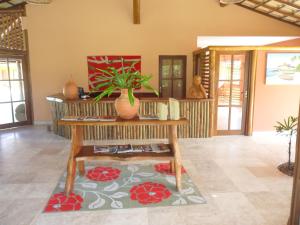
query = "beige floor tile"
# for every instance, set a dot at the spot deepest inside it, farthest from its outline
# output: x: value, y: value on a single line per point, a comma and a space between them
x: 21, y: 211
x: 237, y: 175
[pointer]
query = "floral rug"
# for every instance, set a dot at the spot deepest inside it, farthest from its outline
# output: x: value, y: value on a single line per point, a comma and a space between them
x: 117, y: 186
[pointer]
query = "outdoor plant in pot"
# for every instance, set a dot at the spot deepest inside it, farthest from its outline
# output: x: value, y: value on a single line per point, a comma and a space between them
x: 125, y: 79
x: 288, y: 127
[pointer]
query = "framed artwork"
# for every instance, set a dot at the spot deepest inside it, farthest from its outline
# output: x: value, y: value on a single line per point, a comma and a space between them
x: 283, y: 69
x: 103, y: 62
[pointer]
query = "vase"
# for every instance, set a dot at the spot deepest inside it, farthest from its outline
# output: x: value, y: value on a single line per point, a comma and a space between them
x: 70, y: 90
x: 123, y: 107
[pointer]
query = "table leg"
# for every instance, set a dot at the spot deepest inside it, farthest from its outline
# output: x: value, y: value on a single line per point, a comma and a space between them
x: 173, y: 140
x: 81, y: 168
x: 76, y: 143
x: 172, y: 166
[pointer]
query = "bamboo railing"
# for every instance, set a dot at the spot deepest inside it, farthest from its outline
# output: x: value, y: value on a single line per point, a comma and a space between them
x: 197, y: 111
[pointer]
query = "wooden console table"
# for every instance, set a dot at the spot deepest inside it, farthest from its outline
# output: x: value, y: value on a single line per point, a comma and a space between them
x: 80, y: 153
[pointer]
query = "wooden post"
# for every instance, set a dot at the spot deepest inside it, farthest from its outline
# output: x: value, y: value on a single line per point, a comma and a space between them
x: 295, y: 208
x: 251, y: 94
x: 136, y: 11
x: 212, y: 70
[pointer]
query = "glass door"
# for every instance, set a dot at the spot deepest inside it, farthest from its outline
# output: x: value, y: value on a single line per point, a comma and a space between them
x: 232, y: 76
x: 14, y: 101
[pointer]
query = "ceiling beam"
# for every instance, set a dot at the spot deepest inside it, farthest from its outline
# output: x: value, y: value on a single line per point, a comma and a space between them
x: 136, y: 11
x: 267, y: 14
x: 272, y: 9
x: 289, y: 4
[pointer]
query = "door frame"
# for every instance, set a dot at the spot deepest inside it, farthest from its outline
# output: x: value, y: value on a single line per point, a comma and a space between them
x: 27, y: 88
x: 184, y: 58
x: 295, y: 205
x: 246, y: 103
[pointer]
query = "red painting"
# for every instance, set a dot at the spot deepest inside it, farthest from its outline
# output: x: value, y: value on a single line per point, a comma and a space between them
x: 103, y: 62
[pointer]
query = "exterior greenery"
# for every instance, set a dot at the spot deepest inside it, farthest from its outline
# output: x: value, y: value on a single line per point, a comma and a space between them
x: 289, y: 128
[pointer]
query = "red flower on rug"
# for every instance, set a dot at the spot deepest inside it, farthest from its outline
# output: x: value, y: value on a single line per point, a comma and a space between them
x: 148, y: 192
x: 60, y: 202
x: 165, y: 168
x: 103, y: 174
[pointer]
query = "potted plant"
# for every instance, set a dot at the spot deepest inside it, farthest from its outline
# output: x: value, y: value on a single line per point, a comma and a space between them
x: 125, y: 79
x: 288, y: 127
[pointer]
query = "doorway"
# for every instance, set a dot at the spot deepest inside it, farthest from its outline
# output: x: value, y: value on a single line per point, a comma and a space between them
x: 232, y: 75
x: 14, y: 92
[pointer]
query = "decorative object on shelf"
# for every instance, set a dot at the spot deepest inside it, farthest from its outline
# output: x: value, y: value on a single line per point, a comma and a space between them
x: 197, y: 90
x: 283, y: 69
x: 104, y: 63
x: 174, y: 109
x: 125, y: 79
x: 80, y: 92
x: 70, y: 90
x: 162, y: 110
x: 20, y: 113
x: 288, y: 127
x: 123, y: 106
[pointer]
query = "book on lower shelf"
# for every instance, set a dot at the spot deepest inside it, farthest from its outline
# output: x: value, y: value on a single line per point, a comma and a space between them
x: 89, y: 118
x: 121, y: 149
x: 149, y: 117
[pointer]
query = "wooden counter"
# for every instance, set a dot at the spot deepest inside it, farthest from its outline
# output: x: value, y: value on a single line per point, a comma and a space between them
x: 197, y: 111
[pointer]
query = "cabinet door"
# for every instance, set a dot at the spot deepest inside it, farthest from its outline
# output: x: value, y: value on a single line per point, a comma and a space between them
x: 172, y: 76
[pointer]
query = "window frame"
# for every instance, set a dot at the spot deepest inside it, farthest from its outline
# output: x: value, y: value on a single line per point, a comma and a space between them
x: 27, y: 88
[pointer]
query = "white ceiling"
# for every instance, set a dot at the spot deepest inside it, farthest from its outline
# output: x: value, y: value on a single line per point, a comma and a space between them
x: 204, y: 41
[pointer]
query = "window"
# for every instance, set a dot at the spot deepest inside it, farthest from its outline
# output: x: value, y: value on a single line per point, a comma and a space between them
x: 172, y: 76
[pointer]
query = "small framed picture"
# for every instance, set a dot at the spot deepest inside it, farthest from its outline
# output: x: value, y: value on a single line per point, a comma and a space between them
x: 283, y: 69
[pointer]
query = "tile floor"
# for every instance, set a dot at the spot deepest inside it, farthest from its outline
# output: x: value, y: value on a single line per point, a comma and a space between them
x: 236, y: 174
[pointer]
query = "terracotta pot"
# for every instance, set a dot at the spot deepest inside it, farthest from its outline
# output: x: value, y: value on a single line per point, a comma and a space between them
x: 70, y: 90
x: 123, y: 107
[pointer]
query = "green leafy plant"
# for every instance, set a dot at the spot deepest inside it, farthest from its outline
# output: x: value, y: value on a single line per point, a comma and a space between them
x: 113, y: 79
x: 289, y: 128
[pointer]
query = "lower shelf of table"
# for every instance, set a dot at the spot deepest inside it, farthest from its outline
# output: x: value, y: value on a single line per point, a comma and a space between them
x: 87, y: 153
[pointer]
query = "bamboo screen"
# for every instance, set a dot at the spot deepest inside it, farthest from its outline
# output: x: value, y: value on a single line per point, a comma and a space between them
x: 202, y: 67
x: 11, y: 33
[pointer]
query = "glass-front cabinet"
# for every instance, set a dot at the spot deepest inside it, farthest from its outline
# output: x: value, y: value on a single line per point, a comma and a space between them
x: 172, y: 74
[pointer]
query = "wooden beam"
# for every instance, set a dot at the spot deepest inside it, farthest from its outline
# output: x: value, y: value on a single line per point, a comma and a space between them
x: 295, y: 208
x: 272, y: 9
x: 251, y: 94
x: 288, y: 4
x: 262, y: 4
x: 136, y: 11
x: 212, y: 105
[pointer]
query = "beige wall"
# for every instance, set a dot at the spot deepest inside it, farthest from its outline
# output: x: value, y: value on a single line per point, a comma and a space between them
x: 63, y: 33
x: 273, y: 102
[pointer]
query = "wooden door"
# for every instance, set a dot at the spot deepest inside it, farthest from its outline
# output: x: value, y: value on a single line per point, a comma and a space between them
x: 172, y: 76
x: 232, y: 73
x: 14, y: 92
